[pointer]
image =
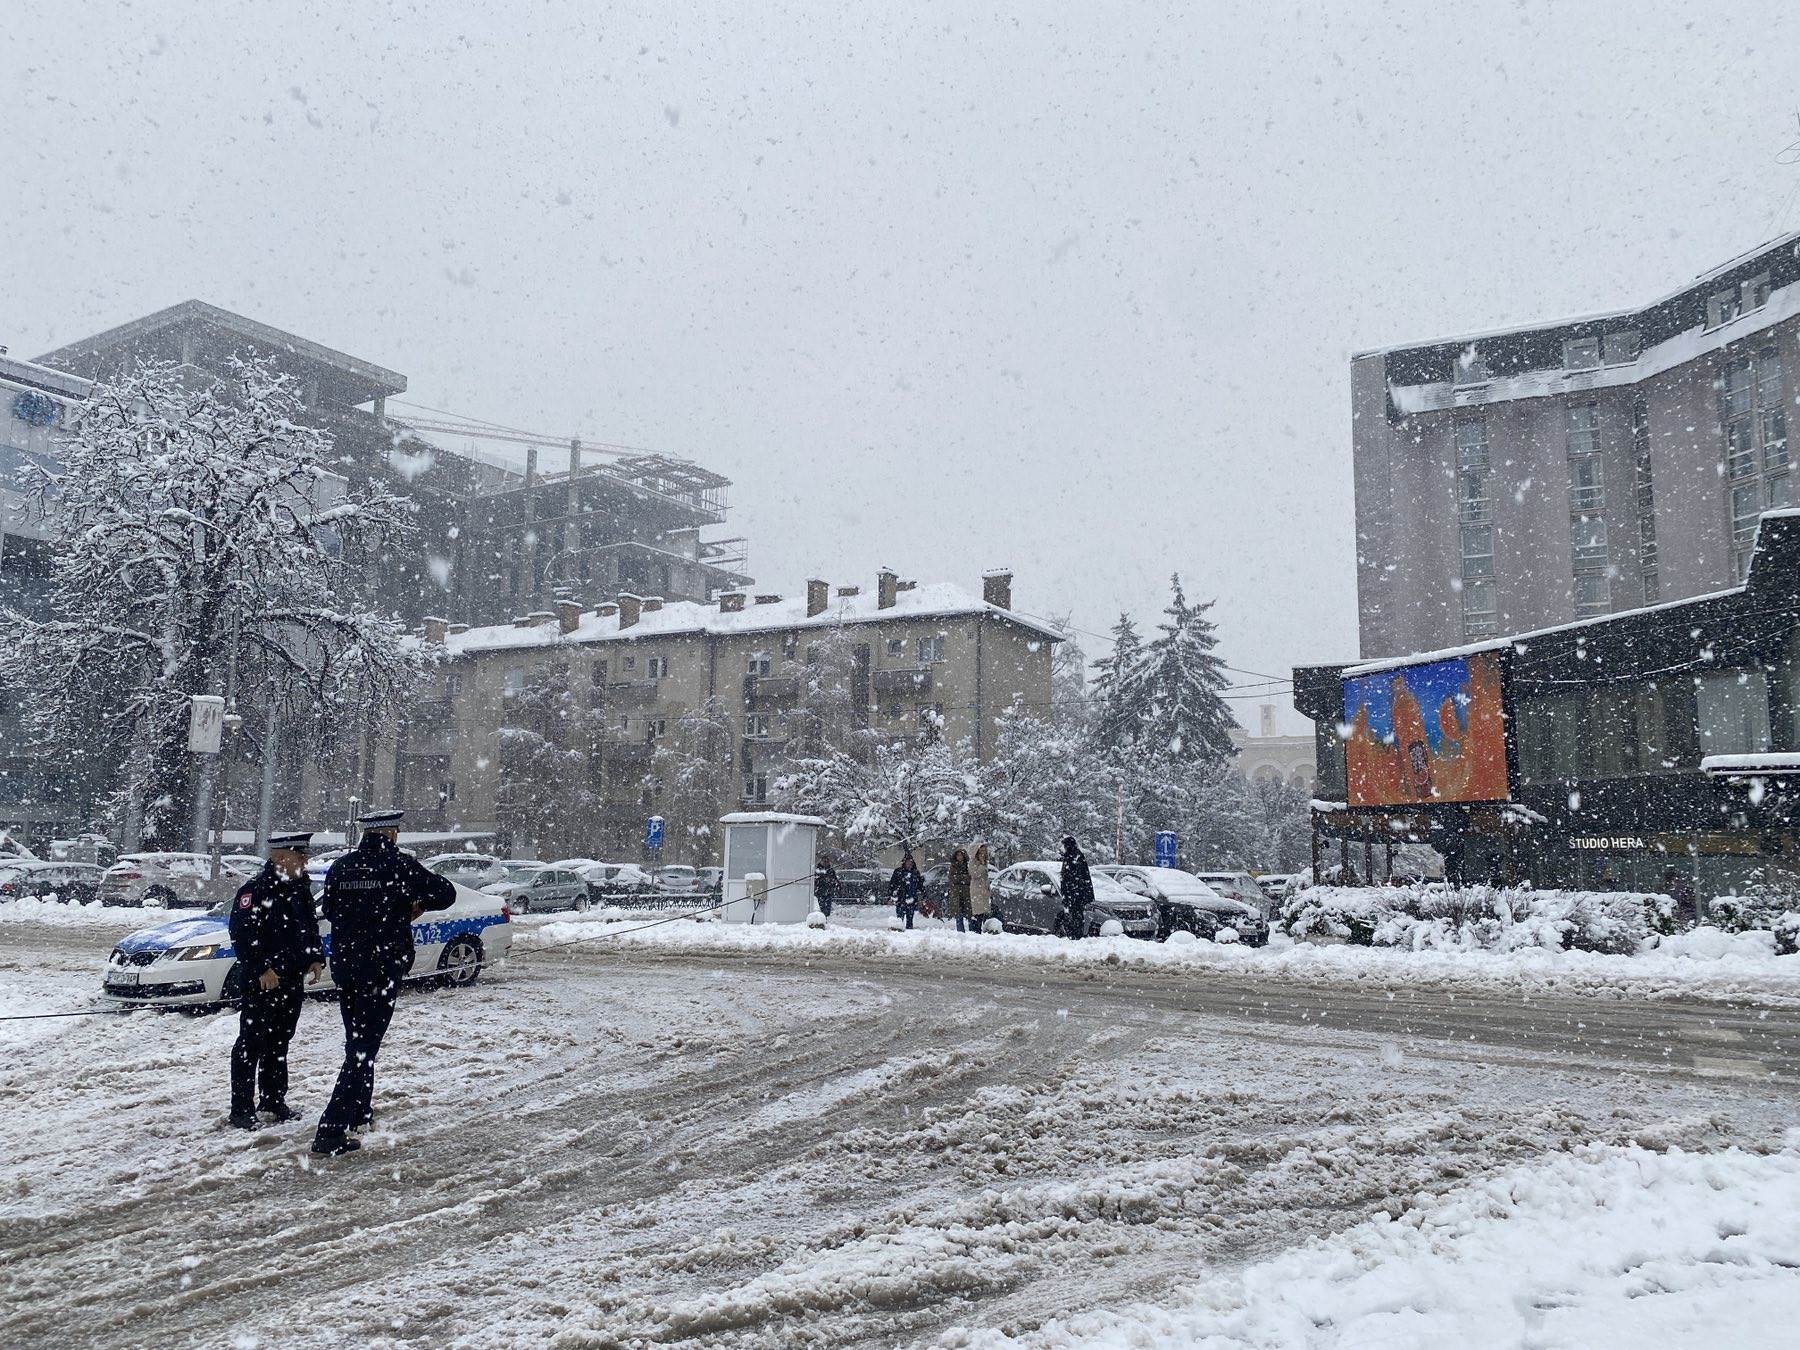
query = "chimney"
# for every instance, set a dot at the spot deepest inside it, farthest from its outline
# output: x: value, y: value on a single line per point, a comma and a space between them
x: 887, y: 586
x: 908, y: 585
x: 768, y: 599
x: 455, y: 629
x: 434, y: 630
x: 731, y: 602
x: 652, y: 603
x: 522, y: 621
x: 996, y: 588
x: 538, y: 617
x: 849, y: 592
x: 818, y: 595
x: 606, y: 610
x: 630, y: 606
x: 568, y: 615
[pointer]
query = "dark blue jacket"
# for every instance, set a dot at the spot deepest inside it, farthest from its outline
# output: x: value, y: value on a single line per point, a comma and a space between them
x: 369, y: 898
x: 906, y: 886
x: 273, y: 926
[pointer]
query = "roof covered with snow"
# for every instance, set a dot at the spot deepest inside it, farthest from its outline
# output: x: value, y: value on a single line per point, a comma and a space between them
x: 677, y: 618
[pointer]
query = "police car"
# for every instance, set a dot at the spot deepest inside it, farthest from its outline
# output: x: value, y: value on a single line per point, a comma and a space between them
x: 191, y: 962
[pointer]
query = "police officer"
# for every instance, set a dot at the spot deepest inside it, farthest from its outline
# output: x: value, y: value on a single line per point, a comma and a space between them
x: 1077, y: 886
x: 372, y: 895
x: 276, y: 935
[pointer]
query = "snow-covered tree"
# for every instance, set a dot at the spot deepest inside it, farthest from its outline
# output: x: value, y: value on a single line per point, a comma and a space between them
x: 1119, y: 701
x: 546, y: 788
x: 919, y: 795
x: 1045, y: 780
x: 1068, y: 678
x: 689, y: 773
x: 196, y: 535
x: 824, y: 720
x: 1182, y: 678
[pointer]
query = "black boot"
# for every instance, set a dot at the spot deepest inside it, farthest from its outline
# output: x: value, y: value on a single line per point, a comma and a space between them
x: 281, y: 1111
x: 244, y: 1120
x: 334, y: 1143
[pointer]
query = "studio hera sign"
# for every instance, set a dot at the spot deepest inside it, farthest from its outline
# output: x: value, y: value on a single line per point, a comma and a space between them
x: 1608, y: 843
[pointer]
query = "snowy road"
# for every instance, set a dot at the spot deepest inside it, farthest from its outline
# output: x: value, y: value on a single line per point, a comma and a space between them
x: 632, y: 1146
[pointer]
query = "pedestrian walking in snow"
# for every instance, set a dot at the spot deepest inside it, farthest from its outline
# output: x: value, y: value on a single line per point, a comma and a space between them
x: 372, y: 896
x: 1077, y: 887
x: 981, y: 896
x: 276, y: 936
x: 825, y: 889
x: 906, y: 887
x: 957, y: 895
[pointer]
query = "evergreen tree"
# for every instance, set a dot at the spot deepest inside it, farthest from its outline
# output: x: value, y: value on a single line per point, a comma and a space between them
x: 1120, y: 710
x: 688, y: 776
x: 1181, y: 679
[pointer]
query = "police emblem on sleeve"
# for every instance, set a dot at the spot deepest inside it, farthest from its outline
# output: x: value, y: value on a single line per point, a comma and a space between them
x: 245, y: 898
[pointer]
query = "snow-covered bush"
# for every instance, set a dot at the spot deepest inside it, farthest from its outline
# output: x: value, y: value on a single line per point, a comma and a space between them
x: 1438, y: 917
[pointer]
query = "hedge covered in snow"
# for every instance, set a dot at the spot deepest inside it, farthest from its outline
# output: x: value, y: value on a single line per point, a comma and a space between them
x: 1432, y: 916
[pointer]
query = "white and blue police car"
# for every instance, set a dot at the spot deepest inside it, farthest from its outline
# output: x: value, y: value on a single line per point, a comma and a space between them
x: 190, y: 961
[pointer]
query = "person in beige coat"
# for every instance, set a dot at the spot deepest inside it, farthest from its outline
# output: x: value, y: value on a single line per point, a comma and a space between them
x: 981, y: 900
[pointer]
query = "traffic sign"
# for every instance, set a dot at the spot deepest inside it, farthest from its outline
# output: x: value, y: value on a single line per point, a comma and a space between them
x: 1165, y: 848
x: 653, y: 833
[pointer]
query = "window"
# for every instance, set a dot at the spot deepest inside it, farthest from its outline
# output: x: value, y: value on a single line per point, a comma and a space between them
x: 1732, y: 712
x: 759, y: 664
x: 756, y: 725
x: 656, y: 728
x: 931, y: 650
x: 1753, y: 419
x: 629, y: 665
x: 790, y: 646
x: 1756, y: 292
x: 1470, y: 368
x: 452, y: 684
x: 1549, y: 737
x: 657, y: 667
x: 1587, y: 484
x: 1621, y: 348
x: 1581, y: 354
x: 1475, y: 512
x: 896, y: 649
x: 1593, y: 595
x: 1614, y: 730
x: 515, y: 681
x: 756, y: 788
x: 1477, y: 551
x: 1471, y: 443
x: 1480, y: 613
x: 1583, y: 428
x: 1644, y: 487
x: 1723, y: 307
x: 597, y: 674
x: 1590, y: 542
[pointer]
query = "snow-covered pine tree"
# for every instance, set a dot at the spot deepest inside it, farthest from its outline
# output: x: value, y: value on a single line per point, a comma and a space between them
x: 195, y: 524
x: 1119, y: 703
x: 1182, y: 678
x: 1045, y: 780
x: 907, y: 793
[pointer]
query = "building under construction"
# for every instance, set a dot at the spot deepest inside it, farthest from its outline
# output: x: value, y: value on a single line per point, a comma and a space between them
x: 508, y: 520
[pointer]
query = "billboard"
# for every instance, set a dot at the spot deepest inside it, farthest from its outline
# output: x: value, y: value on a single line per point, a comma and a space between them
x: 1428, y: 733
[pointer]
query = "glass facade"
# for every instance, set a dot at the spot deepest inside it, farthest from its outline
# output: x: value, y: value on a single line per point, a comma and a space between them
x: 1753, y: 422
x: 1480, y: 609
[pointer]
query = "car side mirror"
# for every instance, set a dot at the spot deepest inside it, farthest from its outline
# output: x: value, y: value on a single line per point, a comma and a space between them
x: 1046, y: 890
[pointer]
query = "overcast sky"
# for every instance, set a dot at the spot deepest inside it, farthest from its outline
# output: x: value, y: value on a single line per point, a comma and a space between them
x: 950, y: 291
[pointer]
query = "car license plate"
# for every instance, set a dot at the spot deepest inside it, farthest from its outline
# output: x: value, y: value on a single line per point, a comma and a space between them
x: 124, y: 977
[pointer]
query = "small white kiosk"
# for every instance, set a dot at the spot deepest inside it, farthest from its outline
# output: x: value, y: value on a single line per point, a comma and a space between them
x: 769, y: 862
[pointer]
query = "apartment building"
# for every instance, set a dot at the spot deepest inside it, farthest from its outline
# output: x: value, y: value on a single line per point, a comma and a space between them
x: 610, y: 685
x: 1512, y: 480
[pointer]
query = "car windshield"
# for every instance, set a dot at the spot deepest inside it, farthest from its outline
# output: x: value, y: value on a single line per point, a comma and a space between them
x: 518, y: 869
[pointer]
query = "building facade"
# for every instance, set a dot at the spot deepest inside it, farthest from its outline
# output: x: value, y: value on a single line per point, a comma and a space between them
x: 1512, y: 480
x: 648, y: 707
x: 1598, y: 754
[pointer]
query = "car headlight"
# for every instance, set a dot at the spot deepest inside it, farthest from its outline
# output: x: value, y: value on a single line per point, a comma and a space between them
x: 204, y: 952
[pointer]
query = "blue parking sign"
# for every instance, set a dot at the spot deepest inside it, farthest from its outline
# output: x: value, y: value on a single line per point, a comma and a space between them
x: 1165, y: 848
x: 653, y: 832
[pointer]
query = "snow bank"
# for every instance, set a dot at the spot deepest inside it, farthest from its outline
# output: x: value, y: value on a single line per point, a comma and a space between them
x: 30, y: 909
x: 1696, y: 966
x: 1439, y: 917
x: 1605, y: 1247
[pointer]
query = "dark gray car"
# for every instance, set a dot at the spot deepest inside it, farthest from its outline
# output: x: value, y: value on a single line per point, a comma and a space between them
x: 1028, y: 898
x: 1185, y: 903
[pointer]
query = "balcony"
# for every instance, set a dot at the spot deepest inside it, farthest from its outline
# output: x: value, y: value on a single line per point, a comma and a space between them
x: 631, y: 691
x: 911, y: 680
x: 773, y: 686
x: 628, y: 749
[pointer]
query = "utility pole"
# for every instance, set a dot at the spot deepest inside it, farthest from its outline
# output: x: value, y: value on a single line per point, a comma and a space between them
x: 265, y: 804
x: 232, y: 722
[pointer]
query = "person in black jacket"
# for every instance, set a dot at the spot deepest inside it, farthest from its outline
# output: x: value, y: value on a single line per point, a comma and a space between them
x: 906, y: 887
x: 1077, y: 887
x: 372, y: 895
x: 825, y: 888
x: 276, y: 936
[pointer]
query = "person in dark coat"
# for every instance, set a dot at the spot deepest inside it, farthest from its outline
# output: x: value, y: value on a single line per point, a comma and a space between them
x: 1687, y: 902
x: 1077, y: 887
x: 956, y: 894
x: 825, y: 888
x: 906, y: 887
x: 372, y: 895
x: 276, y: 936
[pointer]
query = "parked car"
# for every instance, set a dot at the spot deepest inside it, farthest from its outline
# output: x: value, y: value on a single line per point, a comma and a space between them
x: 861, y: 886
x: 1027, y: 897
x: 1185, y: 903
x: 190, y: 961
x: 607, y: 880
x: 710, y: 881
x: 542, y: 889
x: 467, y: 869
x: 175, y: 880
x: 1274, y: 885
x: 92, y: 848
x: 677, y: 879
x: 1237, y: 886
x: 70, y: 882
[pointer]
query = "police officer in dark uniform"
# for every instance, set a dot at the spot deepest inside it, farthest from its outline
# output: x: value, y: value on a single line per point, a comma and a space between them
x: 1077, y: 887
x: 372, y: 895
x: 276, y: 935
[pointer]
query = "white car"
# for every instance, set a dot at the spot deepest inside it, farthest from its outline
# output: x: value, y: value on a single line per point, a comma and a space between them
x: 609, y: 879
x: 175, y: 880
x: 1237, y: 886
x: 677, y: 879
x: 191, y: 962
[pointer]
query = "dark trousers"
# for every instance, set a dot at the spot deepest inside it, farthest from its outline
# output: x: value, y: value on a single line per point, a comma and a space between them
x: 266, y: 1022
x: 1077, y: 921
x: 905, y: 911
x: 825, y: 904
x: 367, y: 1010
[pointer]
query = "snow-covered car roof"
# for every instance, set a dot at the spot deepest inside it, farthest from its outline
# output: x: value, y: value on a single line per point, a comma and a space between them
x: 1171, y: 881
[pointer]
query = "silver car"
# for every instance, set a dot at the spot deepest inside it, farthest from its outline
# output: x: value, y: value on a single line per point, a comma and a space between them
x: 1028, y: 896
x: 175, y: 880
x: 540, y: 890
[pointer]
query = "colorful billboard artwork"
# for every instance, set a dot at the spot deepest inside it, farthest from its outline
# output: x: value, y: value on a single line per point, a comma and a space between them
x: 1398, y: 754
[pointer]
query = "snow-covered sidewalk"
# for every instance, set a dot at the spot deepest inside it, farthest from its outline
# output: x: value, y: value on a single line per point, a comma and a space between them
x: 1706, y: 965
x: 1604, y: 1247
